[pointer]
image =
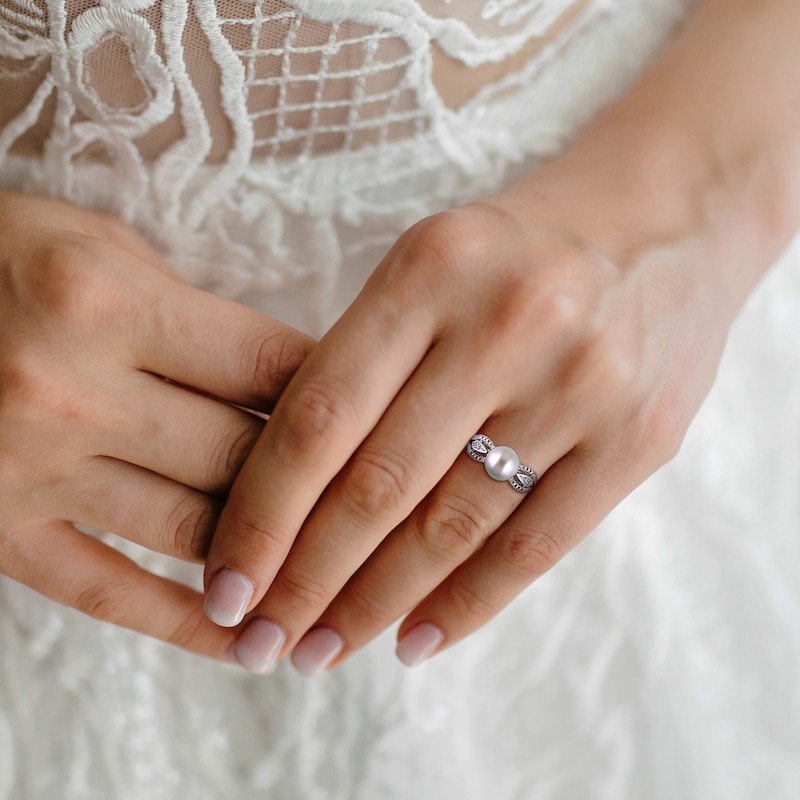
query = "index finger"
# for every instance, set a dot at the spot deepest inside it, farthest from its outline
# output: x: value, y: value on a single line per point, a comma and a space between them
x: 329, y: 408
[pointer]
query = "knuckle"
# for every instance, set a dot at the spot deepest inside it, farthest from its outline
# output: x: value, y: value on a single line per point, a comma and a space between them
x: 73, y: 280
x: 560, y: 308
x: 375, y: 484
x: 34, y: 388
x: 530, y: 553
x: 467, y: 603
x: 662, y: 432
x: 229, y: 454
x: 278, y: 355
x: 364, y: 606
x: 316, y: 412
x: 552, y: 306
x: 258, y: 536
x: 600, y: 368
x: 615, y: 367
x: 442, y: 243
x: 653, y: 430
x: 188, y: 630
x: 22, y: 379
x: 103, y: 599
x: 450, y: 530
x: 434, y: 255
x: 191, y: 527
x: 301, y: 591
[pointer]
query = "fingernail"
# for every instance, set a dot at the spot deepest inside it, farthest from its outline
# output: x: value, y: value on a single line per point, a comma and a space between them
x: 259, y: 646
x: 316, y: 650
x: 227, y: 597
x: 419, y: 644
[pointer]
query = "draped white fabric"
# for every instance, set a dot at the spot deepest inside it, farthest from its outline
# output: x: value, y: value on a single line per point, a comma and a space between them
x: 274, y: 149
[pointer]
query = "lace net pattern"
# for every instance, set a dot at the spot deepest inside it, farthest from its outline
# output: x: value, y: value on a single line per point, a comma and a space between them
x: 309, y: 79
x: 274, y: 149
x: 232, y: 123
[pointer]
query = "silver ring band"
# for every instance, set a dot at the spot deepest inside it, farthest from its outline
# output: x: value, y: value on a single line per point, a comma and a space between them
x: 501, y: 463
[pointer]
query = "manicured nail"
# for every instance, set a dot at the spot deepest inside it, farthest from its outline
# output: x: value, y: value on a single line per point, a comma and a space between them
x: 419, y: 643
x: 227, y: 597
x: 260, y: 645
x: 316, y: 650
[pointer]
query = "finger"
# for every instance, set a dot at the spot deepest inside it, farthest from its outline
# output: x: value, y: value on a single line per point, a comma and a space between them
x: 145, y: 508
x: 385, y: 481
x: 569, y: 502
x: 216, y: 345
x: 170, y: 430
x: 451, y: 524
x: 82, y: 572
x: 336, y: 399
x: 399, y: 463
x: 392, y: 471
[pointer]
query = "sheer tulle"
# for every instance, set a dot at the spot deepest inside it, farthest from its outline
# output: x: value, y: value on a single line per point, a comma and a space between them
x: 659, y: 660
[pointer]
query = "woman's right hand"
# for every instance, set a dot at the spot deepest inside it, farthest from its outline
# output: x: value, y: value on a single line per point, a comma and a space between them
x: 116, y: 384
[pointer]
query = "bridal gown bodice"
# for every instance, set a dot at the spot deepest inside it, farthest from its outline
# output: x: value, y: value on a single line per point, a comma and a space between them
x: 263, y: 144
x: 273, y: 150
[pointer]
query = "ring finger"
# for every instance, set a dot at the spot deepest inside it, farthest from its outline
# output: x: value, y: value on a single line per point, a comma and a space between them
x: 443, y: 532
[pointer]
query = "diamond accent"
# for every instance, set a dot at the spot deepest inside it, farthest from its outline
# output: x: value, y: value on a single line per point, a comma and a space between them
x: 478, y: 447
x: 524, y: 480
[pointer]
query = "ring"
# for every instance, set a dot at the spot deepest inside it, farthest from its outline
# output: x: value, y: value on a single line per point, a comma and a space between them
x: 501, y: 463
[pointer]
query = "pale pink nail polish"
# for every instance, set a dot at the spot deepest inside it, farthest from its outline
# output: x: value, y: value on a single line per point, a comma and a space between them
x: 316, y: 650
x: 227, y: 597
x: 420, y: 643
x: 260, y: 645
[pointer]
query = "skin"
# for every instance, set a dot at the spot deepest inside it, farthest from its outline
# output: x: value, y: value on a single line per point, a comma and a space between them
x: 578, y: 315
x: 90, y: 317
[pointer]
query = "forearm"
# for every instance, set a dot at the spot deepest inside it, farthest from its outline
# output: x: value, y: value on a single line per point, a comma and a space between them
x: 703, y: 151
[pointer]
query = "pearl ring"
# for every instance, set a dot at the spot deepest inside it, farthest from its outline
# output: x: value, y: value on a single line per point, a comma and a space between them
x: 501, y: 463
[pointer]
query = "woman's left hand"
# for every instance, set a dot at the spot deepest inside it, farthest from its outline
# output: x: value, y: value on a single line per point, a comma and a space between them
x: 578, y: 317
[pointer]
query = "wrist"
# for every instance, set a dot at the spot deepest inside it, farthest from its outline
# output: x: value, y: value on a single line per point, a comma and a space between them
x: 701, y: 158
x: 644, y: 196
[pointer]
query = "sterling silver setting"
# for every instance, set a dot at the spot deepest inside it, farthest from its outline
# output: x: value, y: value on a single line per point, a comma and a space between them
x: 501, y: 463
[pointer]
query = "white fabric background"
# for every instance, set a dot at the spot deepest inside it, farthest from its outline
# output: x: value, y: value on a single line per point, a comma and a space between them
x: 660, y: 660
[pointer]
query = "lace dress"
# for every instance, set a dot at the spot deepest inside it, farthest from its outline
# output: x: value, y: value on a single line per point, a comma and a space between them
x: 274, y: 149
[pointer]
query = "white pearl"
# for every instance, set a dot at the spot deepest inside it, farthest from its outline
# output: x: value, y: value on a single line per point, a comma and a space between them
x: 501, y: 463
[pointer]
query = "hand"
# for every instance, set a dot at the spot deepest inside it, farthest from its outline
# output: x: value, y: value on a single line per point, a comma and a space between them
x: 110, y: 370
x: 478, y: 320
x: 578, y: 316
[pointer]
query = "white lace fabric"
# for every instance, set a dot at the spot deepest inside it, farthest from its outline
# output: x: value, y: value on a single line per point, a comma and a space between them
x: 274, y: 149
x: 231, y: 123
x: 291, y: 80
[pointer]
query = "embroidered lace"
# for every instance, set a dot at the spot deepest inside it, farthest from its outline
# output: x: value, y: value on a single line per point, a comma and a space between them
x: 231, y: 124
x: 274, y: 149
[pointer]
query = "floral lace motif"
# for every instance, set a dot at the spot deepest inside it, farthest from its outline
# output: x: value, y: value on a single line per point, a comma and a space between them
x: 289, y: 77
x: 275, y: 150
x: 226, y: 130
